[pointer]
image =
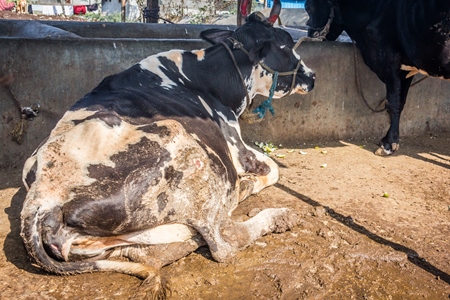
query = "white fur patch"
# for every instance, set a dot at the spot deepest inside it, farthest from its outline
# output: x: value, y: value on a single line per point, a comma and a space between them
x: 177, y: 58
x: 297, y: 56
x: 163, y: 234
x: 153, y: 64
x: 307, y: 71
x: 206, y: 106
x: 200, y: 54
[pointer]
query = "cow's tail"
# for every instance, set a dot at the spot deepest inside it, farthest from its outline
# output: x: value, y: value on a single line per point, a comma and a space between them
x: 31, y: 231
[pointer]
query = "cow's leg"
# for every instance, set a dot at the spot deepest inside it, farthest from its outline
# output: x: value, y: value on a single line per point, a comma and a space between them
x: 155, y: 257
x: 251, y: 182
x: 226, y: 237
x: 160, y: 255
x: 149, y: 259
x: 397, y: 91
x: 255, y: 170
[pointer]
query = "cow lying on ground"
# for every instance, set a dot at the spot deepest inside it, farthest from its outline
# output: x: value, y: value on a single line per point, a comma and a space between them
x: 397, y: 39
x: 151, y: 163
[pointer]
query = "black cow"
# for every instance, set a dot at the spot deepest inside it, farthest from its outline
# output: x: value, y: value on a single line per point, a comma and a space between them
x: 151, y: 163
x: 397, y: 39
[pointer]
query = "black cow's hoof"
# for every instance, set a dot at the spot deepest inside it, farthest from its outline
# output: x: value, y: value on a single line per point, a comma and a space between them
x: 382, y: 151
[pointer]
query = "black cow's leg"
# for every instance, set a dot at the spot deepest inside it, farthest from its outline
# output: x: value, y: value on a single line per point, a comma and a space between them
x: 397, y: 91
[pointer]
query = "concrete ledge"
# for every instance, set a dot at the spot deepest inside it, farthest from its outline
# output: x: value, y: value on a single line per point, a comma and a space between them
x: 57, y: 72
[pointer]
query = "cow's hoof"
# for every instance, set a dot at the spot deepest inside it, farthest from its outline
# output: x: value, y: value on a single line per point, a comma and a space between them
x: 383, y: 152
x: 153, y: 288
x: 286, y: 221
x: 386, y: 152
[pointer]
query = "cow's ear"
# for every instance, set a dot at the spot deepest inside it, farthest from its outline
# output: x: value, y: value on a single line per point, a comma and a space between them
x: 215, y: 36
x: 259, y: 51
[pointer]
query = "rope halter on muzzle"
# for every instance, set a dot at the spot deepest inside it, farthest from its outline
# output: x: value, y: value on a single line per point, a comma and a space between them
x: 260, y: 111
x: 321, y: 32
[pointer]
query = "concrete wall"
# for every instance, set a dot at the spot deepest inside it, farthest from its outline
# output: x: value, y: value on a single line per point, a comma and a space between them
x: 56, y: 72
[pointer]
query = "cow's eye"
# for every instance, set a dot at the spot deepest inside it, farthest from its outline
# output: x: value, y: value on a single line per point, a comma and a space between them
x: 306, y: 7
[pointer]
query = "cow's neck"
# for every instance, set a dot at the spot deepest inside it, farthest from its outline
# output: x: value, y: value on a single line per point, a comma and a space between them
x: 356, y: 18
x: 213, y: 71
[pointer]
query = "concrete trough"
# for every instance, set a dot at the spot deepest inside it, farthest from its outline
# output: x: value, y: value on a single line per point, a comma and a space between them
x: 56, y: 63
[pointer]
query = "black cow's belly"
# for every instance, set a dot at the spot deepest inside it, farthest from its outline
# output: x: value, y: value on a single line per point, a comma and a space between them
x: 424, y: 35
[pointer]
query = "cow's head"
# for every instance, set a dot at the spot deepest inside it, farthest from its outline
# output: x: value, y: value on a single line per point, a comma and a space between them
x: 324, y: 19
x: 260, y: 46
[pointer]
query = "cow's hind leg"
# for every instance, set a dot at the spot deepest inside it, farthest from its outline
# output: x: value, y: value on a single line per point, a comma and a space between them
x: 159, y: 255
x: 155, y: 257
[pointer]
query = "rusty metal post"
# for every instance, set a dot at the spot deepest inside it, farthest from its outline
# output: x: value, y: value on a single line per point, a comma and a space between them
x: 123, y: 12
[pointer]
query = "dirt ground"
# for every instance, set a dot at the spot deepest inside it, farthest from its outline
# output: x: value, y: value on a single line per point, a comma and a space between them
x: 371, y: 228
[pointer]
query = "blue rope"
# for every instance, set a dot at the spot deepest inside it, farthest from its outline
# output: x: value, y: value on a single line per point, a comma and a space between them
x: 267, y: 104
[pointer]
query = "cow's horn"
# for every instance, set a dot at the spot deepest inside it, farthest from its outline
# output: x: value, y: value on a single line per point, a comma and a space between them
x: 275, y: 11
x: 244, y: 9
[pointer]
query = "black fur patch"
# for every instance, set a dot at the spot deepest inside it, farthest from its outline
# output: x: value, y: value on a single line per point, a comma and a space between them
x: 101, y: 208
x: 109, y: 117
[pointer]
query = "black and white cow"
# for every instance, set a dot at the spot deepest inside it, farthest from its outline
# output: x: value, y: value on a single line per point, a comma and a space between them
x: 151, y: 163
x: 397, y: 39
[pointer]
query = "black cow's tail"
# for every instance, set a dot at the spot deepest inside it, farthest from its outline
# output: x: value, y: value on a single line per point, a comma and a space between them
x: 31, y: 233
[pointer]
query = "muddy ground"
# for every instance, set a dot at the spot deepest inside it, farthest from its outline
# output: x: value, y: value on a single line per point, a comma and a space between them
x: 371, y: 228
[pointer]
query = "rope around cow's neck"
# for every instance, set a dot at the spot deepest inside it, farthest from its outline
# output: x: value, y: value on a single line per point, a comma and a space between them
x: 267, y: 104
x: 238, y: 70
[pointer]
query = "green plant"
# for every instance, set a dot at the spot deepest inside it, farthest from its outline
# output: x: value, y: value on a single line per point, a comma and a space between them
x: 98, y: 17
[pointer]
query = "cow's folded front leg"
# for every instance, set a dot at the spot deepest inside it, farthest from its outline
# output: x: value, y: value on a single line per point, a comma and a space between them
x: 254, y: 180
x: 246, y: 187
x: 243, y: 234
x: 231, y: 236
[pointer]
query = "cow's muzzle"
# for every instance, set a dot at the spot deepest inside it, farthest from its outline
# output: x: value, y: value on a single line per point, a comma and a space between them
x: 321, y: 32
